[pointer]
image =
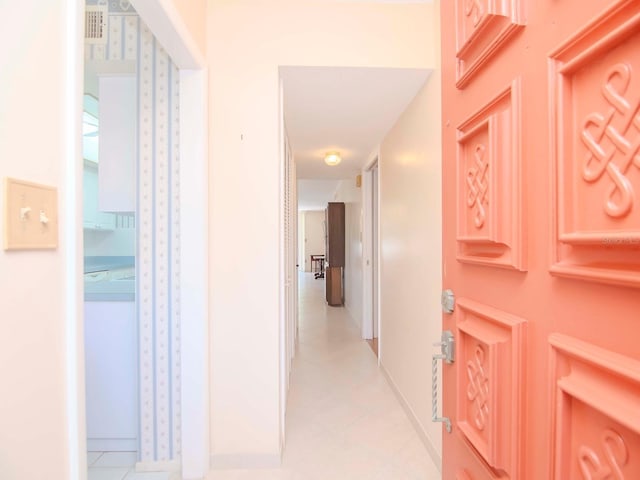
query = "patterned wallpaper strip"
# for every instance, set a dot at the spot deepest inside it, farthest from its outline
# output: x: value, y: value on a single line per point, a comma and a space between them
x: 159, y: 116
x: 115, y: 6
x: 174, y: 256
x: 161, y: 214
x: 146, y: 240
x: 122, y: 39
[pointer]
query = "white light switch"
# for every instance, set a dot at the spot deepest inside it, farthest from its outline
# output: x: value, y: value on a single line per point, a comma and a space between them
x: 31, y: 215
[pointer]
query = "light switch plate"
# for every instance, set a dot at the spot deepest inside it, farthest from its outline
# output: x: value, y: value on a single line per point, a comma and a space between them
x: 31, y: 215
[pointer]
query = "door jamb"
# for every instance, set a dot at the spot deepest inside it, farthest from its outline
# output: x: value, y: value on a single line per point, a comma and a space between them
x: 167, y: 26
x: 367, y: 247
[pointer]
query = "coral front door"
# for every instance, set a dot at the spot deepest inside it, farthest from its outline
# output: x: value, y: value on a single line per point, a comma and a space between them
x: 541, y: 155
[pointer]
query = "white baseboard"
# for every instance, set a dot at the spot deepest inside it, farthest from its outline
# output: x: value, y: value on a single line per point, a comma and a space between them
x: 112, y: 445
x: 160, y: 466
x: 226, y: 462
x: 435, y: 456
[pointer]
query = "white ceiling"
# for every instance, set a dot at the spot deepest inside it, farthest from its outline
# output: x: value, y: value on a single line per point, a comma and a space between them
x: 348, y: 109
x: 314, y: 194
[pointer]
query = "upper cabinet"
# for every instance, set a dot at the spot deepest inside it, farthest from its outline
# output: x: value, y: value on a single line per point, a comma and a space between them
x: 117, y: 146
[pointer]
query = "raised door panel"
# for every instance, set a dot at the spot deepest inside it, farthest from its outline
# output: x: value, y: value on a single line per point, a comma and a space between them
x: 489, y: 165
x: 596, y: 394
x: 595, y: 88
x: 490, y: 385
x: 482, y: 28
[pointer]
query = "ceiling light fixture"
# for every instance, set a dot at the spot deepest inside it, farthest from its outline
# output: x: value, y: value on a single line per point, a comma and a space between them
x: 332, y: 158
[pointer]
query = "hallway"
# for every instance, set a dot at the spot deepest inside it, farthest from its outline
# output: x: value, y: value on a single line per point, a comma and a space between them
x: 343, y: 420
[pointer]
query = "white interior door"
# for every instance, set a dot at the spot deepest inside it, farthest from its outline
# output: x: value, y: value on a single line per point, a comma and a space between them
x: 370, y: 242
x: 374, y: 251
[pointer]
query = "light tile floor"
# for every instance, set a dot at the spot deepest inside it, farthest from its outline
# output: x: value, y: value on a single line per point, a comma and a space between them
x: 118, y: 466
x: 343, y: 420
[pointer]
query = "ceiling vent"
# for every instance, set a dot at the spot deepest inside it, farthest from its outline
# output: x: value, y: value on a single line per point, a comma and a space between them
x: 95, y: 24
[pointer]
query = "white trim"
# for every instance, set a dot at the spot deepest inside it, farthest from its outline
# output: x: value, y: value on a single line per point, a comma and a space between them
x: 225, y: 462
x: 194, y: 279
x: 367, y: 246
x: 167, y: 26
x: 413, y: 418
x: 71, y: 246
x: 293, y: 270
x: 378, y: 166
x: 284, y: 377
x: 288, y: 275
x: 372, y: 159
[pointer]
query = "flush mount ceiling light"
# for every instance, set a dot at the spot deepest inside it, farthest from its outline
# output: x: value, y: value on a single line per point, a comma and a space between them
x: 332, y: 158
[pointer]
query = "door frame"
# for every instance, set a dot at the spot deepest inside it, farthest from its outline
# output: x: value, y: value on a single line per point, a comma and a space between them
x: 289, y: 257
x: 166, y: 24
x: 367, y: 247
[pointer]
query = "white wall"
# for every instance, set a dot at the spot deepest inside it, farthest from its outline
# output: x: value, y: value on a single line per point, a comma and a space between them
x: 247, y: 41
x: 34, y: 301
x: 351, y: 195
x: 314, y: 241
x: 410, y: 230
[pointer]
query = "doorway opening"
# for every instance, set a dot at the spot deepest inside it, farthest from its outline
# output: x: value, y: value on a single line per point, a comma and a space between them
x: 371, y: 100
x: 185, y: 294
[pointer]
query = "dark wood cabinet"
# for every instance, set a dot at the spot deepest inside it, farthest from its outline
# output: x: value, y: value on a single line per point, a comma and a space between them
x: 335, y: 252
x: 335, y: 234
x: 333, y: 278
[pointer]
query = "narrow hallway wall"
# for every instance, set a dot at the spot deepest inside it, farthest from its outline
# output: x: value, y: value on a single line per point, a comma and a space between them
x: 411, y: 258
x: 244, y: 52
x: 351, y: 195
